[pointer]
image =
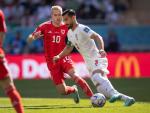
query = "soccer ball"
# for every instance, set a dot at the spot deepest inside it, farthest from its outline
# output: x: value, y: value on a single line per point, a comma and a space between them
x: 98, y: 100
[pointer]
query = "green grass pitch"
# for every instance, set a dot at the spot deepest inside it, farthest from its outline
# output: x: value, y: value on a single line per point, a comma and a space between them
x: 47, y: 105
x: 40, y: 96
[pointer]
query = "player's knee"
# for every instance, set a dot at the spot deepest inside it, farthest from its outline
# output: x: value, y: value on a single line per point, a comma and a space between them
x: 97, y: 79
x: 75, y: 77
x: 6, y: 83
x: 72, y: 73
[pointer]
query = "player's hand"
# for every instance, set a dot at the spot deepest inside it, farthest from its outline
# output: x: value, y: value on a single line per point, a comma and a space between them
x: 30, y: 39
x: 1, y: 56
x: 56, y: 58
x: 102, y: 53
x: 35, y: 36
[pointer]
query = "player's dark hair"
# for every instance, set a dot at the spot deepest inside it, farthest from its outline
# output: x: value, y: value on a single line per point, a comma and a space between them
x: 69, y: 12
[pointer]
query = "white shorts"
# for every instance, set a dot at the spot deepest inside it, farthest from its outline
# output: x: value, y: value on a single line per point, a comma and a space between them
x: 97, y: 63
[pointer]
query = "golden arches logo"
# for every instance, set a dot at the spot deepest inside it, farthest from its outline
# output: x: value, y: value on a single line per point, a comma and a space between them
x: 126, y: 63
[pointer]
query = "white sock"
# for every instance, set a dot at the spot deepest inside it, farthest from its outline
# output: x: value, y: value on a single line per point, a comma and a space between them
x: 103, y: 85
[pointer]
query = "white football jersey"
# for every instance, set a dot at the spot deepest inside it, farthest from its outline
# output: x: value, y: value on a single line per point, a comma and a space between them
x: 80, y: 38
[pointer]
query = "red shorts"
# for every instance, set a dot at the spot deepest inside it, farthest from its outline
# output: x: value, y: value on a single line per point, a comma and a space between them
x: 57, y: 70
x: 3, y: 66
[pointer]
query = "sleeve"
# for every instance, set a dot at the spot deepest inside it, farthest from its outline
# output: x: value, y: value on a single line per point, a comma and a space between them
x: 3, y: 27
x: 39, y: 28
x: 86, y: 31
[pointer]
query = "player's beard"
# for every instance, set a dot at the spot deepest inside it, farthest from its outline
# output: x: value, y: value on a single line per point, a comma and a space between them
x: 70, y: 26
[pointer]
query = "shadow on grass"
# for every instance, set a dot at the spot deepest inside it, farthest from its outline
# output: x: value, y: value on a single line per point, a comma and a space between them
x: 36, y: 107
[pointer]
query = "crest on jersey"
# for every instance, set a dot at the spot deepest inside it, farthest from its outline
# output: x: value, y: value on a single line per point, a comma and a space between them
x: 86, y: 29
x: 62, y: 31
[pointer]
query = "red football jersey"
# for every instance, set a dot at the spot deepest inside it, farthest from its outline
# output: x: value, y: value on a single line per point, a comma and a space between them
x: 2, y: 22
x: 54, y: 38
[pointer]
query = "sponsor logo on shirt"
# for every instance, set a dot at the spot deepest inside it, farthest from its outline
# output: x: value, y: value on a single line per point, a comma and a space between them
x: 50, y: 32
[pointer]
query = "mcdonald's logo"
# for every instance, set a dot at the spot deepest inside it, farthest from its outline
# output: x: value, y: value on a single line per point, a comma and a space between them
x: 126, y: 63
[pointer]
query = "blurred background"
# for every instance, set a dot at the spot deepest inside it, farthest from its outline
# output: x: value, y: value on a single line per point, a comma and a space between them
x: 123, y: 24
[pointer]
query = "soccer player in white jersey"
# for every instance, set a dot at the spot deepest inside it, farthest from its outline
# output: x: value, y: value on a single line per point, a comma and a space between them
x: 91, y: 47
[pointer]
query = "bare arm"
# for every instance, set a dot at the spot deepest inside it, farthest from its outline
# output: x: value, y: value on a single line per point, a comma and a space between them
x: 67, y: 50
x: 100, y: 43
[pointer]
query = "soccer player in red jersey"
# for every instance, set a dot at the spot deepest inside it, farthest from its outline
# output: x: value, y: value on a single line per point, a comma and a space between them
x: 54, y: 34
x: 5, y: 79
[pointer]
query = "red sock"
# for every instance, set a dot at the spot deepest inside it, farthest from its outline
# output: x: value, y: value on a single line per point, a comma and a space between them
x: 69, y: 90
x: 85, y: 87
x: 15, y: 98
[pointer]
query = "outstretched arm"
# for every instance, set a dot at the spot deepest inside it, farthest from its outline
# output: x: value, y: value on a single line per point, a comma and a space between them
x: 67, y: 50
x: 34, y: 36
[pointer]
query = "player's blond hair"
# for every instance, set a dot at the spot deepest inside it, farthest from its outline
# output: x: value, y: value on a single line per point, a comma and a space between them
x: 56, y: 7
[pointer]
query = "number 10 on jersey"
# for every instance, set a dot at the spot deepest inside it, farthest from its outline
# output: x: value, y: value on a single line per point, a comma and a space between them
x: 56, y: 39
